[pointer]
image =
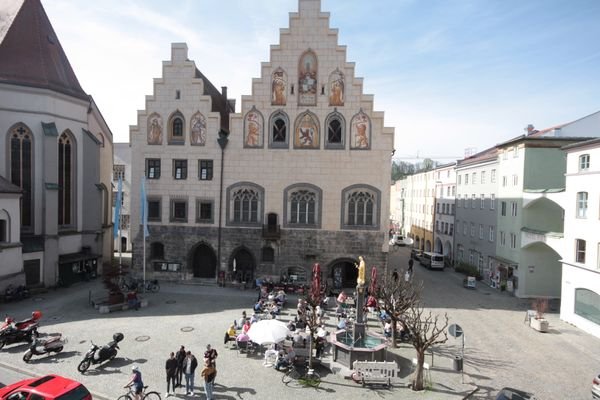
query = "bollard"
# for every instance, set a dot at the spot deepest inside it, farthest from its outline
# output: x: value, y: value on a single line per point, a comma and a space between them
x: 457, y: 363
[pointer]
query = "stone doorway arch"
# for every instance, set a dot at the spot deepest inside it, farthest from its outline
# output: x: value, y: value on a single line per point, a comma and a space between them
x: 245, y: 265
x: 203, y: 261
x: 343, y: 273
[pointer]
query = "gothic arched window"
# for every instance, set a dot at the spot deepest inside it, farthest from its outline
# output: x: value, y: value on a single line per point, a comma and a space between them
x: 21, y: 170
x: 66, y: 181
x: 302, y: 206
x: 245, y: 204
x: 360, y: 207
x: 279, y: 136
x: 176, y: 124
x: 335, y: 126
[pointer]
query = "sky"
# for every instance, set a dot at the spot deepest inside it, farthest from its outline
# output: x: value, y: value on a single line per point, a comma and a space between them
x: 450, y: 75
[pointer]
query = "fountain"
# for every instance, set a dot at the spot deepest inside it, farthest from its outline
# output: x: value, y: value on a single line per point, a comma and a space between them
x: 360, y: 344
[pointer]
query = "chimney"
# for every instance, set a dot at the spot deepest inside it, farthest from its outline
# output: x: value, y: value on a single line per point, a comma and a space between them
x: 224, y: 91
x: 529, y: 129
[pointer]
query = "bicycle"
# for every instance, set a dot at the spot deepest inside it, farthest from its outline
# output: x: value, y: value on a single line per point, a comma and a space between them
x: 303, y: 375
x: 130, y: 395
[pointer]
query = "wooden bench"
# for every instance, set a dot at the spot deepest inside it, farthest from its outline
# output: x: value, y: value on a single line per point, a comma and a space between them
x: 376, y: 372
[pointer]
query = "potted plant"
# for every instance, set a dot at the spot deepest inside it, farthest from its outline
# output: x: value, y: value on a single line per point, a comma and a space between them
x: 539, y: 323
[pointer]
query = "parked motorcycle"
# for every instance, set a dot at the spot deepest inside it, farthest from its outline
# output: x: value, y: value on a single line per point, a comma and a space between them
x: 15, y: 293
x: 51, y: 344
x: 22, y: 331
x: 97, y: 355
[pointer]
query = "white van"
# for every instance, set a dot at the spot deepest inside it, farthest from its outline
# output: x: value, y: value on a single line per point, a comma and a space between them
x: 432, y: 260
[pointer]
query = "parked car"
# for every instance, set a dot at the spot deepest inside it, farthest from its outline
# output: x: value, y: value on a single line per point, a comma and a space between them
x: 416, y: 254
x: 513, y: 394
x: 596, y: 387
x: 49, y: 387
x: 399, y: 240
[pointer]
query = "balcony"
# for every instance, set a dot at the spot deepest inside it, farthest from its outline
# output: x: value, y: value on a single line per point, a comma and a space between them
x: 271, y: 232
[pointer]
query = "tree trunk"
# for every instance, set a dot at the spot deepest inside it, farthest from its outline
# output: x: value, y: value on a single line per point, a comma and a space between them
x: 394, y: 333
x: 417, y: 383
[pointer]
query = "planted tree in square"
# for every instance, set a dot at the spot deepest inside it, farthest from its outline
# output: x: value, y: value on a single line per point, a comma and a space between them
x: 426, y: 330
x: 396, y: 295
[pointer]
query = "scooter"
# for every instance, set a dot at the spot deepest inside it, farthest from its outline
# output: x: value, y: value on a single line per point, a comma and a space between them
x: 97, y: 355
x: 52, y: 344
x: 22, y: 331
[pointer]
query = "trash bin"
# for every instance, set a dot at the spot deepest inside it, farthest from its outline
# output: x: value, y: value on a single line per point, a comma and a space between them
x: 457, y: 363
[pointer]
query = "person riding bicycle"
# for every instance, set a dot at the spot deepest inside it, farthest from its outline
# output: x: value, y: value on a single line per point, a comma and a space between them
x: 136, y: 383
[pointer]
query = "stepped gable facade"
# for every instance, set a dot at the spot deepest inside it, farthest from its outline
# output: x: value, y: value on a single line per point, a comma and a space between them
x: 300, y: 175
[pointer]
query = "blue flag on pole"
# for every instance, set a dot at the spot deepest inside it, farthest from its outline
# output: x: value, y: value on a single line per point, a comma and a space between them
x: 144, y: 208
x: 117, y: 216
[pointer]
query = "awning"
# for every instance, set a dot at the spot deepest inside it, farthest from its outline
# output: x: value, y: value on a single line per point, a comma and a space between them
x: 74, y: 257
x: 503, y: 260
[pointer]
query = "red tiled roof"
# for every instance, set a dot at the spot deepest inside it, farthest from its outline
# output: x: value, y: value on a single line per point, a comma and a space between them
x: 30, y: 53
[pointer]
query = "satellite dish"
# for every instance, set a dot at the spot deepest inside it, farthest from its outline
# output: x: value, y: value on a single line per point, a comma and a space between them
x: 455, y: 330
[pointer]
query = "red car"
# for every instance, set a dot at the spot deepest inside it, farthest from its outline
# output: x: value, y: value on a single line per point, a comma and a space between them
x: 48, y: 387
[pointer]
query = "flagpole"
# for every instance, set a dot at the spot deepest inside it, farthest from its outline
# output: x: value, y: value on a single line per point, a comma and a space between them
x: 117, y: 224
x: 144, y: 215
x: 144, y: 261
x: 120, y: 252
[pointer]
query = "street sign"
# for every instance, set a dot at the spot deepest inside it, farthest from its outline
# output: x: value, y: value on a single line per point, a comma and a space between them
x: 455, y: 330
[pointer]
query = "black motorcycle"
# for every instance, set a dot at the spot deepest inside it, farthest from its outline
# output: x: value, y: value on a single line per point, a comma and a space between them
x: 97, y: 355
x: 52, y: 344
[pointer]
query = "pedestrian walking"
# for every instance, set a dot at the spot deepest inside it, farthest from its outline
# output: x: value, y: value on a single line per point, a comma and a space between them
x: 171, y: 370
x: 189, y: 368
x: 211, y: 355
x: 180, y: 357
x: 209, y: 373
x: 410, y: 266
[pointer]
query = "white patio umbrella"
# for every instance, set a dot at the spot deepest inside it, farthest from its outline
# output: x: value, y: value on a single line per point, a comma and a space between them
x: 268, y: 331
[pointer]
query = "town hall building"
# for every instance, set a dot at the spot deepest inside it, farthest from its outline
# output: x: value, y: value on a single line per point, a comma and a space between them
x: 300, y: 175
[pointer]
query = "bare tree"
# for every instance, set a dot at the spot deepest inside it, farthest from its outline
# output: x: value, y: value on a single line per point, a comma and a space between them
x: 396, y: 296
x: 425, y: 333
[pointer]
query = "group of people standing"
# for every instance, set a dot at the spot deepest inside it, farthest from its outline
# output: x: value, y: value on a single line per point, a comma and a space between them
x: 183, y: 364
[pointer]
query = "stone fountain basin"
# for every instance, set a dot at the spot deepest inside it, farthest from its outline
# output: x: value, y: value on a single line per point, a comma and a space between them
x: 346, y: 350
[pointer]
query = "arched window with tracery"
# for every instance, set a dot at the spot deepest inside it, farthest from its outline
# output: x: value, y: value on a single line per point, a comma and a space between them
x: 361, y: 207
x: 66, y: 173
x: 21, y: 170
x: 302, y: 206
x: 279, y: 137
x: 245, y: 204
x: 335, y: 131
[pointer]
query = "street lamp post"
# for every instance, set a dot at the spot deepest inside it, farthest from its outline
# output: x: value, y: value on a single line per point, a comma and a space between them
x: 222, y: 140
